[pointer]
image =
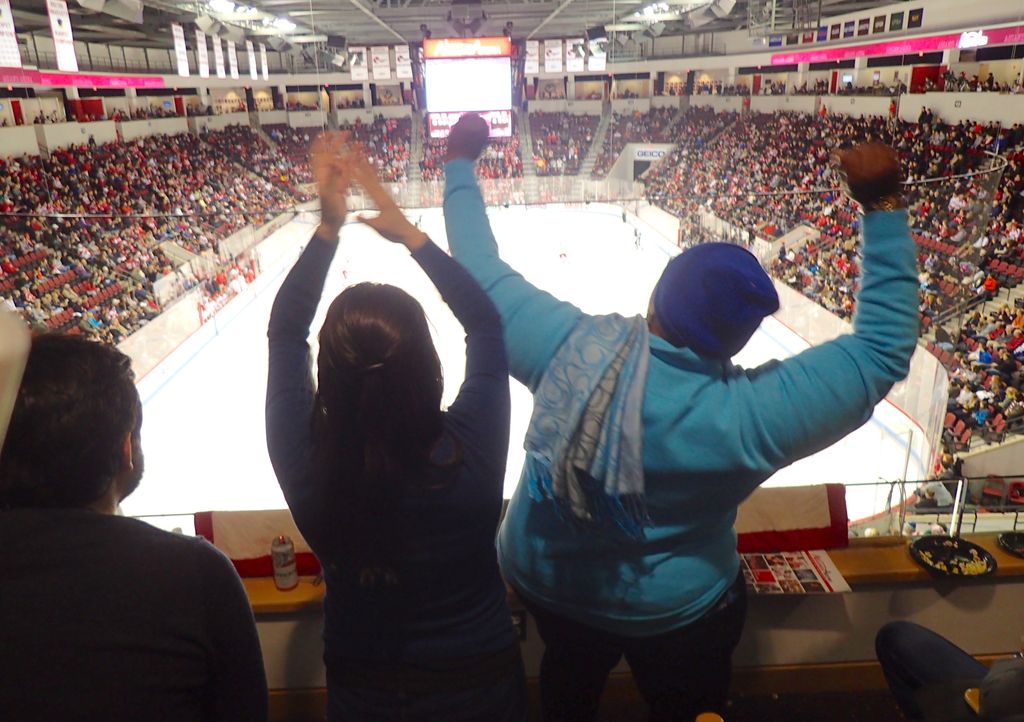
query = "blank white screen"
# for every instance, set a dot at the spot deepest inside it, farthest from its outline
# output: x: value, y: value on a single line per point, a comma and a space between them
x: 468, y: 84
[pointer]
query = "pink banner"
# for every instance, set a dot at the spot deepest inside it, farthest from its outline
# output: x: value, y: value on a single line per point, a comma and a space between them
x: 11, y: 76
x: 971, y: 39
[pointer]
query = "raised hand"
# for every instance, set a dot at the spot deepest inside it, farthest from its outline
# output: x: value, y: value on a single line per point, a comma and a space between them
x: 870, y: 174
x: 468, y: 138
x: 390, y: 222
x: 329, y: 162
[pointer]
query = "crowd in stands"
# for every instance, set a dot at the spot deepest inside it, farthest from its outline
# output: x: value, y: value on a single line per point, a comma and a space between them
x: 242, y: 144
x: 654, y: 126
x: 773, y: 87
x: 293, y: 143
x: 953, y: 83
x: 150, y: 113
x: 561, y: 141
x: 501, y: 159
x: 222, y: 284
x: 349, y: 103
x: 93, y: 271
x: 819, y: 87
x: 386, y: 141
x: 388, y: 144
x: 968, y: 229
x: 717, y: 87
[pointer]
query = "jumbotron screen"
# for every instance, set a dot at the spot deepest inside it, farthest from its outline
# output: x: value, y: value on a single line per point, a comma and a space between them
x: 472, y: 75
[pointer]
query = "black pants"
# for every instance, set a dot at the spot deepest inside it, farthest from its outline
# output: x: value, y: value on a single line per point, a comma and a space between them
x: 927, y: 673
x: 681, y: 673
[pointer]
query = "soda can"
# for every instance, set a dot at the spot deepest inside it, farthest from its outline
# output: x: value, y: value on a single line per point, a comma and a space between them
x: 282, y: 554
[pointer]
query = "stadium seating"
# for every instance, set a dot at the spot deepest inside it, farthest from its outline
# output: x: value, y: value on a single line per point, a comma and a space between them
x: 93, y: 271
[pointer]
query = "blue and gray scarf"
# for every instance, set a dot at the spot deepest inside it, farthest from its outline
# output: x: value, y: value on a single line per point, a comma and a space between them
x: 585, y: 441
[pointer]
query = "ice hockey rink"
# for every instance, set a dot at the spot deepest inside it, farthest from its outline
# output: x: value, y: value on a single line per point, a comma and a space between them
x: 203, y: 430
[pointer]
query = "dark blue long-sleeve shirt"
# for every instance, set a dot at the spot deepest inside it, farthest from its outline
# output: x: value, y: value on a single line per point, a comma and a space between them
x: 452, y: 602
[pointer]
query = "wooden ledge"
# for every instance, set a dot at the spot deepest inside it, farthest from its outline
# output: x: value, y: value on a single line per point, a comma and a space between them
x: 883, y: 560
x: 887, y: 560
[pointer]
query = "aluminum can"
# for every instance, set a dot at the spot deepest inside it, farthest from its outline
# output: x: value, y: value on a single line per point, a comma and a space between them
x: 282, y: 554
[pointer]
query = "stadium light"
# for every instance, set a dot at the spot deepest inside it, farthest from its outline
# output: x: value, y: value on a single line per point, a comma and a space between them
x: 221, y: 6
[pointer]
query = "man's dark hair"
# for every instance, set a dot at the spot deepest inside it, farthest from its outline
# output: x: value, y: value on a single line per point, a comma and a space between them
x: 64, y: 446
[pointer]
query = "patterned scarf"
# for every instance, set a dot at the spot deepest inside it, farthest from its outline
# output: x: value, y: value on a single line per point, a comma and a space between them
x: 585, y: 441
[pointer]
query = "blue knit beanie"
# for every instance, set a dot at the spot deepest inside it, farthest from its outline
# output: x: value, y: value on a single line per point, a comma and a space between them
x: 712, y: 297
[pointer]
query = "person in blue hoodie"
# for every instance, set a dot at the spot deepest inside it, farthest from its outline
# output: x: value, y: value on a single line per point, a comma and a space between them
x: 645, y: 438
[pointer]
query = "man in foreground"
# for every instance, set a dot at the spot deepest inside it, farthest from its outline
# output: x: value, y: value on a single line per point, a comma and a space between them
x: 105, y: 617
x: 645, y: 438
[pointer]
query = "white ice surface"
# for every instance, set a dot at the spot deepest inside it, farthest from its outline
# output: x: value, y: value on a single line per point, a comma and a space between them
x: 203, y: 430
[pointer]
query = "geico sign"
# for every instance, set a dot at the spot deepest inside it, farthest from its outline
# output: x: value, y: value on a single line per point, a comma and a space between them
x: 650, y: 154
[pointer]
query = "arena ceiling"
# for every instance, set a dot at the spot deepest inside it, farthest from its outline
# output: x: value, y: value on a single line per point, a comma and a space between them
x: 391, y: 21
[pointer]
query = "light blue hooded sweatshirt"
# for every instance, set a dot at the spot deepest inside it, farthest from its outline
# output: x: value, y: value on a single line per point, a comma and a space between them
x: 712, y: 432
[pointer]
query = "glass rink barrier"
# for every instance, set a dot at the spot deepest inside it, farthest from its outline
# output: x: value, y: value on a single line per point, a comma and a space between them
x: 898, y: 508
x: 505, y: 192
x: 938, y: 506
x: 203, y: 397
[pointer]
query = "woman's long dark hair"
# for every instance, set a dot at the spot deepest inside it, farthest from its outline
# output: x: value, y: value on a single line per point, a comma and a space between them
x: 376, y: 418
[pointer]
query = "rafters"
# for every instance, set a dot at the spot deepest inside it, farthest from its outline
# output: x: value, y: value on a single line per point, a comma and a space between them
x: 383, y: 21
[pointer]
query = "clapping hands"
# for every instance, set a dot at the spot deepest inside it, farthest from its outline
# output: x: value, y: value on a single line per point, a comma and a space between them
x: 337, y: 164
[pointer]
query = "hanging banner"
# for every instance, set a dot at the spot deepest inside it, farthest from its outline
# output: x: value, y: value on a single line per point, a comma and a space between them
x: 263, y: 62
x: 218, y: 57
x: 598, y: 59
x: 63, y: 40
x: 357, y: 64
x: 403, y: 62
x: 180, y: 51
x: 250, y: 53
x: 380, y: 58
x: 532, y: 64
x: 9, y: 55
x: 233, y: 59
x: 574, y: 55
x: 552, y: 56
x: 201, y: 54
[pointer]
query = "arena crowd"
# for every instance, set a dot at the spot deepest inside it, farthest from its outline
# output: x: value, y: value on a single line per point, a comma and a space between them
x: 93, y: 271
x: 968, y: 228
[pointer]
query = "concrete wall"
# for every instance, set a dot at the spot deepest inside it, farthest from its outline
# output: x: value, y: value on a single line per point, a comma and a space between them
x: 667, y: 101
x: 954, y: 107
x: 631, y: 105
x: 132, y: 129
x: 200, y: 123
x: 392, y: 111
x: 18, y: 141
x: 794, y: 103
x: 62, y: 135
x: 273, y: 117
x: 718, y: 103
x: 307, y: 118
x: 1002, y: 460
x: 857, y: 106
x: 780, y: 630
x: 350, y: 115
x: 576, y: 107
